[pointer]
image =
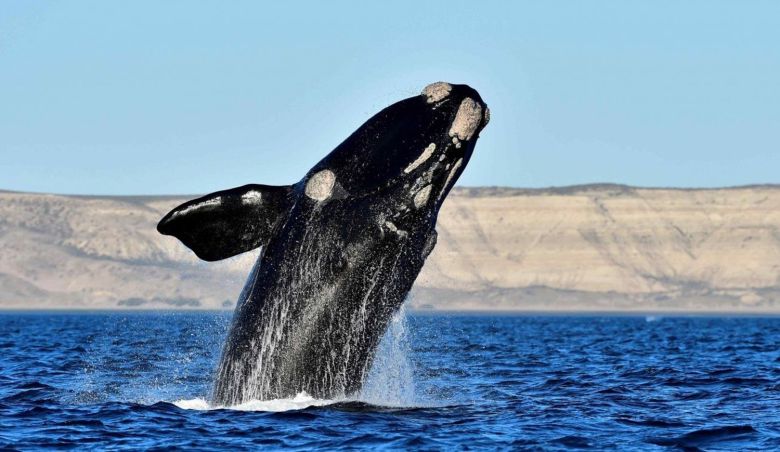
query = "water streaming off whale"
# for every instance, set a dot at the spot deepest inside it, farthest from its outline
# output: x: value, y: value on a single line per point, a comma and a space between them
x: 390, y: 382
x: 388, y: 375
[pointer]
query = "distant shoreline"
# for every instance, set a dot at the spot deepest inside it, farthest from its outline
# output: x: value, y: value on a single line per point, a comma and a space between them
x: 424, y: 312
x: 553, y: 189
x: 597, y: 249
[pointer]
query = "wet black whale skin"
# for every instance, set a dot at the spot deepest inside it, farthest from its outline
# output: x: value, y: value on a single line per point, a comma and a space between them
x: 338, y: 258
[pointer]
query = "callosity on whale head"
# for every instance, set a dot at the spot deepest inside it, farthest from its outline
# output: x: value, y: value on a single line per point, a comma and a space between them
x: 420, y: 145
x: 341, y: 248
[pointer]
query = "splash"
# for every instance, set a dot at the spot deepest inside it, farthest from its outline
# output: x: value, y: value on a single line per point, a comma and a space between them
x: 391, y: 382
x: 299, y: 402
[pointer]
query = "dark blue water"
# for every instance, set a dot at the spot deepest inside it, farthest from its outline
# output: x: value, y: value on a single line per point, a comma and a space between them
x: 111, y: 380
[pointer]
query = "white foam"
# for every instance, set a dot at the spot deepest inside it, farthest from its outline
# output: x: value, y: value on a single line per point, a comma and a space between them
x: 299, y: 402
x: 193, y: 404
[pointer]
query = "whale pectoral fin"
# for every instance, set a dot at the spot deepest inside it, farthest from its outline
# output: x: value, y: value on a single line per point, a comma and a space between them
x: 228, y: 222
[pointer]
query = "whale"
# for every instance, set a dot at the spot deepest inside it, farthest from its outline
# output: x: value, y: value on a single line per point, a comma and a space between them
x: 340, y: 248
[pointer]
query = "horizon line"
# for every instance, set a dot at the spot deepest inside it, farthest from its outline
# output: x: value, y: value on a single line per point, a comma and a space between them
x: 562, y: 189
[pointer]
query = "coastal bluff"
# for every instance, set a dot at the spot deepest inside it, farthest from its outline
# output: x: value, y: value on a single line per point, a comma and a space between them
x: 601, y: 248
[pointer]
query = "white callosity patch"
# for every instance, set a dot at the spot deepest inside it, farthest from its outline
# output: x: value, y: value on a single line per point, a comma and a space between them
x: 320, y: 185
x: 209, y: 203
x: 450, y: 176
x: 393, y: 228
x: 426, y: 154
x: 436, y: 92
x: 487, y: 115
x: 252, y: 197
x: 466, y: 121
x: 421, y: 197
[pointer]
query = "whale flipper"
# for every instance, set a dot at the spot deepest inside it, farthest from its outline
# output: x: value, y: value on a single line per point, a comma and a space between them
x: 228, y: 222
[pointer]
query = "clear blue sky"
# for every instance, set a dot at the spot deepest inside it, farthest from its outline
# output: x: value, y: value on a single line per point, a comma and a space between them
x: 190, y: 97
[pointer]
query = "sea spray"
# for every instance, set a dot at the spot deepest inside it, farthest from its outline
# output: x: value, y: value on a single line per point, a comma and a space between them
x: 299, y: 402
x: 391, y: 382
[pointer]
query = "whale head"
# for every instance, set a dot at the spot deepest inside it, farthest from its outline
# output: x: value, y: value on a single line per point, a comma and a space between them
x: 412, y: 151
x: 397, y: 167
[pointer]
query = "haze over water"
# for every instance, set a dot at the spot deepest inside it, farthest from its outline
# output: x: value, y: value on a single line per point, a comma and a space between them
x: 141, y: 379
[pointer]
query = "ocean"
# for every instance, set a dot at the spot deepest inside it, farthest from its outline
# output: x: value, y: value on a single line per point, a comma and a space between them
x: 141, y: 380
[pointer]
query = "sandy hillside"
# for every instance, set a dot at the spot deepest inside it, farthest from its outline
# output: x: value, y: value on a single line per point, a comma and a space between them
x: 598, y: 247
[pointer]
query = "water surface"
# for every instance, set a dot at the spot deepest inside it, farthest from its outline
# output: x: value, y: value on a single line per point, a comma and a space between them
x: 141, y: 380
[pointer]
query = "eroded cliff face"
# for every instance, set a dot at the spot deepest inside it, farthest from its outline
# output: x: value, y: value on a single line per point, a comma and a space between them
x: 600, y: 247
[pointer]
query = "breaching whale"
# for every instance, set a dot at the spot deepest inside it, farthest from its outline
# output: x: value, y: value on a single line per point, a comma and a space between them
x: 341, y: 247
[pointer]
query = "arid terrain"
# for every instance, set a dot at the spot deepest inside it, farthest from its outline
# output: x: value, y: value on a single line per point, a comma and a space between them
x: 583, y: 248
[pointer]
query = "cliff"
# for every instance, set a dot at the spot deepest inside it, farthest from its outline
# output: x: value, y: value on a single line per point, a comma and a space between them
x: 595, y: 247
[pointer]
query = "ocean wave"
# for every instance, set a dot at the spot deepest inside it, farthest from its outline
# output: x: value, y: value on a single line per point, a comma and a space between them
x: 532, y: 382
